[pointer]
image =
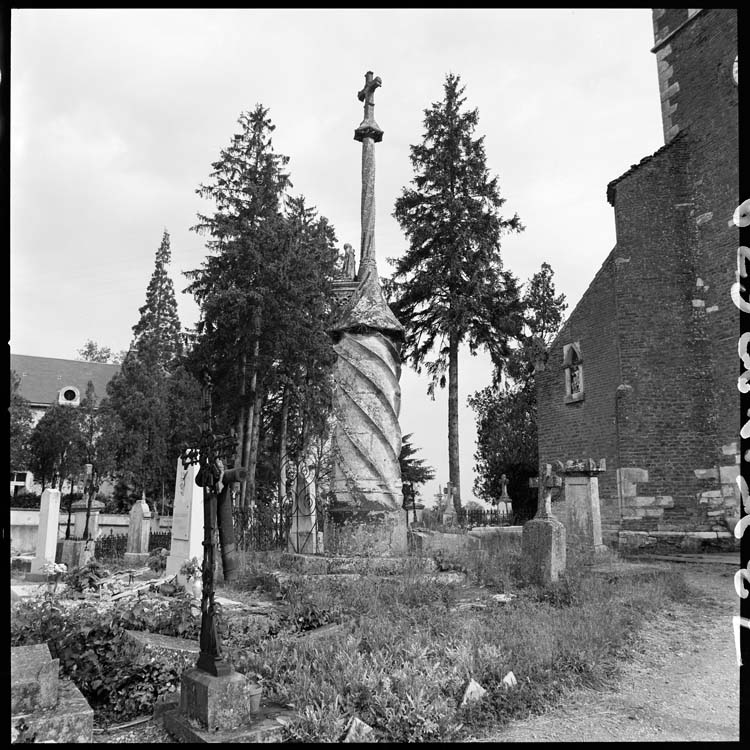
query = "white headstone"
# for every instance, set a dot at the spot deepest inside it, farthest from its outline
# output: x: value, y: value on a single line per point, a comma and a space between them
x: 187, y: 519
x: 139, y: 527
x: 46, y: 541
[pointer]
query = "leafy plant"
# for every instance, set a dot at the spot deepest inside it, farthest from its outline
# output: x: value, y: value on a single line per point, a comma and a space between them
x: 157, y: 561
x: 87, y: 577
x: 191, y: 568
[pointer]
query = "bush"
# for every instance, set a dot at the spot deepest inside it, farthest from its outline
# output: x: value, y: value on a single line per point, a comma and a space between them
x: 157, y: 560
x: 26, y: 500
x: 87, y: 577
x: 90, y: 643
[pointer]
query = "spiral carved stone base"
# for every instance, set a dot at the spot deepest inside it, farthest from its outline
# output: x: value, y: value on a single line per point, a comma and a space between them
x: 367, y: 515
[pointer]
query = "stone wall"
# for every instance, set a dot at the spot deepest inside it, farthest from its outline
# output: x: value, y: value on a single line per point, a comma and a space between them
x: 24, y: 527
x: 656, y: 326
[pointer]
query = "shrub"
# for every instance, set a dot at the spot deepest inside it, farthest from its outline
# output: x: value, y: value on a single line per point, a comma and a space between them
x: 87, y: 577
x: 157, y: 560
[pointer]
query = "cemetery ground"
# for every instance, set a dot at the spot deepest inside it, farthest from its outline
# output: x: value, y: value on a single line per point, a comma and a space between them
x: 643, y: 652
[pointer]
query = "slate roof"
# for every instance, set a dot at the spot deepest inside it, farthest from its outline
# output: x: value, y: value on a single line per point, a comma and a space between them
x: 43, y: 377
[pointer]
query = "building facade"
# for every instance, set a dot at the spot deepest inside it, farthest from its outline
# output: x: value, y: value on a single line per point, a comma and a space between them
x: 45, y: 381
x: 643, y: 373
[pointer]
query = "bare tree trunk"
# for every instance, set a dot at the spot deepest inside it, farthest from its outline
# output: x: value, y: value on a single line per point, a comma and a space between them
x: 282, y: 458
x: 250, y: 416
x: 241, y: 411
x: 454, y: 468
x: 253, y: 456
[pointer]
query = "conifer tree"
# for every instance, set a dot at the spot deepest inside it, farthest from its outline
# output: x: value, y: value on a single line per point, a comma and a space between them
x: 249, y: 285
x: 413, y: 470
x: 506, y: 410
x: 450, y: 287
x: 158, y: 329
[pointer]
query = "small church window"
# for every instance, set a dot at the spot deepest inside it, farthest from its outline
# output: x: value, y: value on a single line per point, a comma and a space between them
x: 573, y: 368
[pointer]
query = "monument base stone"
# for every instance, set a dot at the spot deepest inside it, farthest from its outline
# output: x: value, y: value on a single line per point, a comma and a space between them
x: 543, y: 549
x: 136, y: 558
x: 225, y: 702
x: 268, y: 726
x: 76, y: 553
x: 223, y: 709
x: 372, y: 533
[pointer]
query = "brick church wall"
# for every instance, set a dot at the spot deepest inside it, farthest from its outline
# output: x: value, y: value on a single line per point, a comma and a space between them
x: 657, y: 328
x: 584, y: 429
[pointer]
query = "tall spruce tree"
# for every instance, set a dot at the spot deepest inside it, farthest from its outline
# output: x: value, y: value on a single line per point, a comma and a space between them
x: 152, y: 407
x: 506, y: 410
x: 236, y: 281
x: 157, y: 332
x: 450, y: 287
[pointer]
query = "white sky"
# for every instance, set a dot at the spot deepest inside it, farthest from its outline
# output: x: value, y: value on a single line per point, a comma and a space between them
x: 117, y: 115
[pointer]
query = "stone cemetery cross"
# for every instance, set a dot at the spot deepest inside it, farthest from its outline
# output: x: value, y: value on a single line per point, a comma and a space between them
x: 546, y: 481
x: 209, y: 454
x: 368, y: 134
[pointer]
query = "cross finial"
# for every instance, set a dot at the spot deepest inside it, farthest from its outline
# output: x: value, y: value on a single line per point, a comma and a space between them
x: 367, y: 94
x: 368, y: 128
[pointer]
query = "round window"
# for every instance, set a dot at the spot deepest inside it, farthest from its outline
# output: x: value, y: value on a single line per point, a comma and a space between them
x: 69, y: 394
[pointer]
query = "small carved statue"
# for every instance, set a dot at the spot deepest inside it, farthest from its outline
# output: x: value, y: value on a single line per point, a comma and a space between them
x: 349, y: 270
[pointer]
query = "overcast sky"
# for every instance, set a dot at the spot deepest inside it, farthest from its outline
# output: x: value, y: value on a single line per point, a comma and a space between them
x: 117, y: 115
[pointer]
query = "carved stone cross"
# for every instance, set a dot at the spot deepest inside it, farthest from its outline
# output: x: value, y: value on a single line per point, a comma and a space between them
x: 546, y: 482
x: 504, y: 487
x: 367, y: 94
x: 368, y: 128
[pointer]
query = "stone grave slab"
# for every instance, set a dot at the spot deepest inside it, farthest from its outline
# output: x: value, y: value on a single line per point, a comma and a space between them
x: 43, y: 707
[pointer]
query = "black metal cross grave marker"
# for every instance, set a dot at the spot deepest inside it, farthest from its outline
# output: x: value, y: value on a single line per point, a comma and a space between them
x: 211, y: 453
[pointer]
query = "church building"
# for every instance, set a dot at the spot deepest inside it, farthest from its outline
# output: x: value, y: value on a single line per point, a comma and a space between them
x: 644, y: 371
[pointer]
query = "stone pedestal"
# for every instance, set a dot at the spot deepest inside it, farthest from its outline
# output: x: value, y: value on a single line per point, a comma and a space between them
x: 223, y: 709
x: 43, y: 709
x: 543, y: 549
x: 371, y: 533
x: 581, y: 516
x: 76, y: 553
x: 46, y: 540
x: 79, y: 517
x: 187, y: 520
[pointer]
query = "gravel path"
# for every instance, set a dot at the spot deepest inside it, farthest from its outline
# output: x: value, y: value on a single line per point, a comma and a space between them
x: 682, y: 685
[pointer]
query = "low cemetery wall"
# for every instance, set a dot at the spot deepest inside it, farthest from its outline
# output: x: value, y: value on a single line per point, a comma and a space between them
x: 24, y: 527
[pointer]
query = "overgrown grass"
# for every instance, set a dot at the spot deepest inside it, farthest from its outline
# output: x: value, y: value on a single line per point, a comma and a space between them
x: 403, y: 655
x: 402, y: 652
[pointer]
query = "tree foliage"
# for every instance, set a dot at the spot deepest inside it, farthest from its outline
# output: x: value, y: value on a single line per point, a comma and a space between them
x: 157, y: 332
x: 56, y: 444
x: 20, y: 425
x: 152, y: 407
x: 264, y: 293
x: 413, y: 470
x: 93, y: 352
x: 450, y: 286
x: 506, y: 411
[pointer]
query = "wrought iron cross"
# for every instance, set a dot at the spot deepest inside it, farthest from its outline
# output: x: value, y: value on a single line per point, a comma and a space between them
x: 211, y: 453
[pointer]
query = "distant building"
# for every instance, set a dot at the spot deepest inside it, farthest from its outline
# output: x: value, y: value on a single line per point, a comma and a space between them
x: 644, y: 371
x: 46, y: 381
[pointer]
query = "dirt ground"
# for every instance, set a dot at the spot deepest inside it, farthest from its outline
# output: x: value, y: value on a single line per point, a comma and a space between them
x: 682, y: 685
